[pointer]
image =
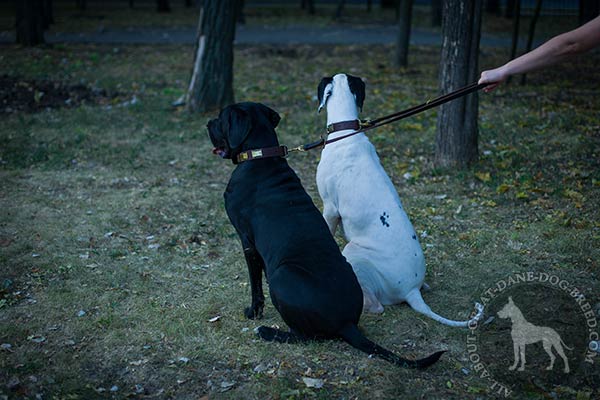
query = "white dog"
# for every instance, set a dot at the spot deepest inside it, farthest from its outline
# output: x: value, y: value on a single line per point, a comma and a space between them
x: 383, y: 247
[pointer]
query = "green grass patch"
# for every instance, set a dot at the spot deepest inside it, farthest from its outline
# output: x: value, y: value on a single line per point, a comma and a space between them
x: 116, y: 248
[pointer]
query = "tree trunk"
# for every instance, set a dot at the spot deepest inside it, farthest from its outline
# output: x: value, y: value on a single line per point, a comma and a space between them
x: 492, y: 7
x: 163, y: 6
x: 211, y: 83
x: 81, y: 4
x: 510, y: 8
x: 588, y: 10
x: 436, y: 12
x: 456, y: 138
x: 369, y: 5
x: 309, y: 5
x: 388, y: 3
x: 30, y: 22
x: 536, y: 15
x: 403, y: 40
x: 339, y: 9
x: 48, y: 14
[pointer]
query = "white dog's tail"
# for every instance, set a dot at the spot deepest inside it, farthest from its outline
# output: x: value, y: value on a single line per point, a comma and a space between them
x: 415, y: 300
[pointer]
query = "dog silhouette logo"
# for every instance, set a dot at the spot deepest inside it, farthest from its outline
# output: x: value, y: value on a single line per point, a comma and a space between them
x: 524, y: 333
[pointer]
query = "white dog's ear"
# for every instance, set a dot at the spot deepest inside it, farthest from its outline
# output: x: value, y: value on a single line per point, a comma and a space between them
x: 324, y: 91
x: 357, y: 87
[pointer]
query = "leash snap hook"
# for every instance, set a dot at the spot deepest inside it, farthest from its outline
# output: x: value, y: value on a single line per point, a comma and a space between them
x: 364, y: 123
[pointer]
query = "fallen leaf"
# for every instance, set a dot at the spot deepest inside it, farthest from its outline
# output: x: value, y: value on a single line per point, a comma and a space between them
x: 36, y: 338
x: 313, y: 383
x: 215, y: 319
x: 483, y: 176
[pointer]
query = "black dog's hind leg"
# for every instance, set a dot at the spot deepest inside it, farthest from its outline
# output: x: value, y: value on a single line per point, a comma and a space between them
x: 275, y: 335
x: 255, y: 268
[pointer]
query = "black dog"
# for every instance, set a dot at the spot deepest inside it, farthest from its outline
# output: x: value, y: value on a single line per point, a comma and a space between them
x: 282, y: 232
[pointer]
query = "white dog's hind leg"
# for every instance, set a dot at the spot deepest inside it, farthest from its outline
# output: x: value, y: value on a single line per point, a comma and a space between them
x: 332, y: 218
x: 415, y: 300
x: 370, y: 303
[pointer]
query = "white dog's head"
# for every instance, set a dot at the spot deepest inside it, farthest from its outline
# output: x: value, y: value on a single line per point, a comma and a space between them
x: 343, y: 90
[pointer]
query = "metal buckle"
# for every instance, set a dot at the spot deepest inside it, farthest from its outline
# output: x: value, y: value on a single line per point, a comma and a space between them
x: 256, y: 153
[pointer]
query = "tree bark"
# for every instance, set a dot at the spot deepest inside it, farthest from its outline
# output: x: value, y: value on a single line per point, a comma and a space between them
x: 403, y: 40
x: 456, y: 138
x: 29, y: 22
x: 211, y: 82
x: 436, y: 12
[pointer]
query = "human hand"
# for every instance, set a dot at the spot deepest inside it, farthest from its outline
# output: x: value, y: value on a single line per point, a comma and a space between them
x: 494, y: 77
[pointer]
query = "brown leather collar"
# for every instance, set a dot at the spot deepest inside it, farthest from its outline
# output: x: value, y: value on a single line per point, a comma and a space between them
x: 276, y: 151
x: 344, y: 125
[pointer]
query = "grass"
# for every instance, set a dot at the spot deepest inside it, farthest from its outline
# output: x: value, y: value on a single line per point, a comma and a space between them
x: 115, y: 248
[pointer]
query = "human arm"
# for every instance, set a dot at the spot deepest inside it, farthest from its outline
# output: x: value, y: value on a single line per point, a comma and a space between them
x: 553, y: 51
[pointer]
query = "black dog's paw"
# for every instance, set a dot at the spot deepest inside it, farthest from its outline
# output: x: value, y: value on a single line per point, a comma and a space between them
x: 275, y: 335
x: 254, y: 312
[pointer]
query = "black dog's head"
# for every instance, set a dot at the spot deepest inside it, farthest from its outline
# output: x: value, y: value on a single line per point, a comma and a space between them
x: 241, y: 127
x: 328, y: 84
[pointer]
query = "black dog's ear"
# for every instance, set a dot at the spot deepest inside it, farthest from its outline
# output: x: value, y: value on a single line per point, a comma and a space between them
x: 236, y: 125
x: 357, y: 87
x: 272, y: 115
x: 324, y: 90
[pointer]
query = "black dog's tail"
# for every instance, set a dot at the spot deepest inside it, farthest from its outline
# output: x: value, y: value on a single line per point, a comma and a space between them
x: 356, y: 339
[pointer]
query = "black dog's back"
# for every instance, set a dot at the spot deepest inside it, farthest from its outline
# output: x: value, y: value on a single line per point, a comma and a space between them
x: 310, y: 282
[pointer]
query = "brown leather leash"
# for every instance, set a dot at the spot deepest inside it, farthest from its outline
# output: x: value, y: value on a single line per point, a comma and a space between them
x: 358, y: 126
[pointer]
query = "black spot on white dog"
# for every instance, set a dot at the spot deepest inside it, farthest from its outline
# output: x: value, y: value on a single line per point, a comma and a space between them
x: 383, y: 218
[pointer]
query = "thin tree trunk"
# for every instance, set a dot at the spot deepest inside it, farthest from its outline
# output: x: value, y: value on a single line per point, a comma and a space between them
x: 211, y: 82
x: 515, y: 33
x: 403, y: 40
x: 456, y: 138
x: 436, y: 12
x: 492, y: 7
x: 29, y: 22
x: 308, y: 5
x: 510, y: 8
x: 48, y: 14
x: 163, y: 6
x: 339, y: 9
x: 536, y: 15
x: 588, y: 10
